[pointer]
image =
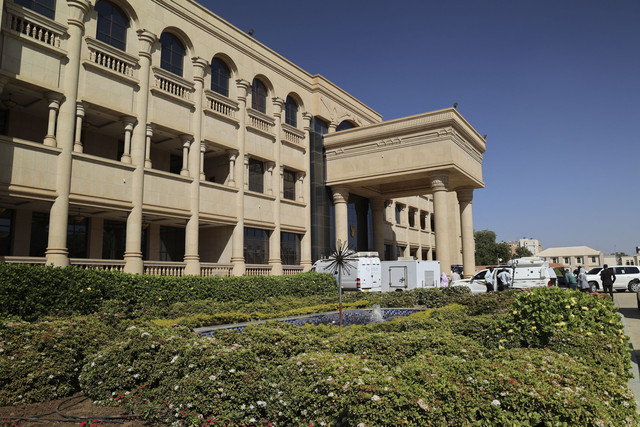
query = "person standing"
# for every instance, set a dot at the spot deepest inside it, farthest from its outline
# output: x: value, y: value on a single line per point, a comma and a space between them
x: 582, y: 280
x: 488, y: 279
x: 444, y: 280
x: 571, y: 279
x: 454, y: 276
x: 608, y: 279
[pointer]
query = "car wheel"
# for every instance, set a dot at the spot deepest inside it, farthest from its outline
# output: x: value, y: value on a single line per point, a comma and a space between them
x: 593, y: 286
x: 634, y: 286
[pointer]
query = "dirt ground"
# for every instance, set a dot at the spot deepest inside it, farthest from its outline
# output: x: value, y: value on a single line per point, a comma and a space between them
x: 67, y: 412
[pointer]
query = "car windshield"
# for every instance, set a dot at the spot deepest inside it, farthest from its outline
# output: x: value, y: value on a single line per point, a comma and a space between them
x: 594, y: 270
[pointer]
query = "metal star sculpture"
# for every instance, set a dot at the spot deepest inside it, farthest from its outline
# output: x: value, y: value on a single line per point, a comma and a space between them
x: 341, y: 259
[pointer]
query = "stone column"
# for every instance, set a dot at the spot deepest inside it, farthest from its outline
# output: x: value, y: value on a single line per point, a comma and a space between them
x: 300, y: 179
x: 270, y: 166
x: 128, y: 128
x: 305, y: 243
x: 245, y: 171
x: 196, y: 171
x: 439, y: 187
x: 54, y: 99
x: 77, y: 145
x: 332, y: 127
x: 147, y: 146
x: 340, y: 199
x: 57, y: 253
x: 237, y: 251
x: 133, y: 251
x: 275, y: 251
x: 233, y: 155
x: 186, y: 144
x: 203, y: 149
x: 465, y: 198
x: 377, y: 213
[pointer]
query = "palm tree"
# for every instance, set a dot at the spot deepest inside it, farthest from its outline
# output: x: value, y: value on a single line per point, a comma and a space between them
x: 341, y: 259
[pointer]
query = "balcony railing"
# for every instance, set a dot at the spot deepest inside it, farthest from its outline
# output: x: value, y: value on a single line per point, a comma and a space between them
x: 221, y: 104
x: 108, y: 57
x: 257, y: 270
x: 292, y: 135
x: 34, y: 25
x: 172, y: 84
x: 260, y: 121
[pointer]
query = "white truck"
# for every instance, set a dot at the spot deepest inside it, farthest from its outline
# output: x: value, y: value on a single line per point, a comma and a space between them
x: 367, y: 273
x: 362, y: 274
x: 528, y: 272
x: 408, y: 273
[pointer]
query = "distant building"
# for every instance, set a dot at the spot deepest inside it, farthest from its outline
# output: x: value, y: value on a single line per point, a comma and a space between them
x: 573, y: 257
x: 623, y: 260
x: 532, y: 244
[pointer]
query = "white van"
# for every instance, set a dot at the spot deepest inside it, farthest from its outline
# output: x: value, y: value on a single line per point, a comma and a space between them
x: 363, y: 273
x: 528, y: 272
x: 406, y: 274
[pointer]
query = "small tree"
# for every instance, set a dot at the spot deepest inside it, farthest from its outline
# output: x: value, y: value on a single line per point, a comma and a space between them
x: 522, y: 252
x: 488, y: 252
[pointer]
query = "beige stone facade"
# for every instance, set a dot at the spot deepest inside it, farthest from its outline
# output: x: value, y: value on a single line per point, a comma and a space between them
x: 126, y: 144
x: 573, y: 257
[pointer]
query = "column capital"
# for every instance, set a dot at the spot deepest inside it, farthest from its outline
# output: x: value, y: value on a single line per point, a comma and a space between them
x: 54, y: 98
x: 199, y: 65
x: 340, y: 194
x: 439, y: 181
x: 79, y: 109
x: 233, y: 154
x: 332, y: 127
x: 186, y: 139
x: 306, y: 118
x: 244, y: 88
x: 278, y: 106
x: 270, y: 165
x: 147, y: 40
x: 149, y: 129
x: 128, y: 121
x: 77, y: 11
x: 465, y: 194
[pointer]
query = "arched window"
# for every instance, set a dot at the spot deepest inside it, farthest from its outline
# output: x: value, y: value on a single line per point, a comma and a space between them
x: 291, y: 112
x: 112, y: 25
x: 345, y: 125
x: 43, y: 7
x: 258, y: 96
x: 220, y: 75
x: 173, y: 53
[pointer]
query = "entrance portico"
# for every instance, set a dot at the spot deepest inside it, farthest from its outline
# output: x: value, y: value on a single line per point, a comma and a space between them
x: 436, y: 153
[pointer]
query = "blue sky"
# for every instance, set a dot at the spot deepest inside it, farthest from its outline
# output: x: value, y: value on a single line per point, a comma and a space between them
x: 554, y: 84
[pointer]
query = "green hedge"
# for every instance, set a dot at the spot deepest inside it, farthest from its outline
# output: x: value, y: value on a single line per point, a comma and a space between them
x: 34, y: 291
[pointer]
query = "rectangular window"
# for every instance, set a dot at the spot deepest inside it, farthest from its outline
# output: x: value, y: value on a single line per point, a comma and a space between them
x: 39, y: 234
x: 593, y: 259
x: 387, y: 252
x: 256, y: 246
x: 6, y: 230
x: 398, y: 210
x: 566, y: 260
x: 256, y: 176
x: 77, y: 235
x: 113, y: 239
x: 290, y: 243
x: 399, y: 251
x: 43, y: 7
x: 579, y: 260
x: 171, y: 244
x: 555, y: 260
x: 289, y: 178
x: 412, y: 218
x: 423, y: 221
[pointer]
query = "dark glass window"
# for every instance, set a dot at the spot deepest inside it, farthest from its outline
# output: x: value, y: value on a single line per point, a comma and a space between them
x: 6, y: 229
x: 43, y: 7
x: 39, y: 234
x: 256, y: 246
x: 290, y: 243
x: 173, y: 53
x: 423, y: 221
x: 399, y: 251
x: 412, y: 216
x: 289, y: 191
x: 220, y: 75
x: 344, y: 126
x: 256, y: 176
x: 291, y: 112
x: 175, y: 163
x: 112, y: 25
x: 113, y: 239
x: 259, y: 96
x: 398, y: 211
x: 77, y: 227
x: 171, y: 244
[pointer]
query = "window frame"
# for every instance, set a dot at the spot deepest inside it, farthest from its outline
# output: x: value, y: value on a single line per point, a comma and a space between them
x: 289, y: 186
x: 291, y: 112
x: 109, y: 38
x: 259, y: 238
x: 221, y: 83
x: 290, y: 248
x: 255, y: 184
x: 259, y: 99
x: 168, y: 56
x: 39, y: 6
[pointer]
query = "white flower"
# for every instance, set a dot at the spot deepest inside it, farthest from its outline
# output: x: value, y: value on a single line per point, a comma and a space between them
x: 232, y: 371
x: 176, y: 387
x: 330, y: 394
x: 51, y: 377
x: 174, y: 359
x: 375, y: 398
x: 495, y: 402
x: 212, y: 377
x: 261, y: 403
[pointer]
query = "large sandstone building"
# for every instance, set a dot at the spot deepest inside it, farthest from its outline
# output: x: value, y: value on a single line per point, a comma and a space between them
x: 153, y: 136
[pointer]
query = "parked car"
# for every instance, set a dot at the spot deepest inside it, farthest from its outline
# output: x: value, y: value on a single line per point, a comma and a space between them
x: 525, y: 272
x: 627, y: 277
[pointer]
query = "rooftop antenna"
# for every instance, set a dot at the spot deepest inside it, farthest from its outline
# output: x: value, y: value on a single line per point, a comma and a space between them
x: 251, y: 32
x: 455, y: 105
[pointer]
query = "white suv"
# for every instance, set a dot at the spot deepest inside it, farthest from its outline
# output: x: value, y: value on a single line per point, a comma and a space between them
x: 627, y: 277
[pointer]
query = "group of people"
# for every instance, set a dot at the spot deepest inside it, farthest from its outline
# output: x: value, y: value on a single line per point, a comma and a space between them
x: 503, y: 279
x: 445, y: 280
x: 578, y: 279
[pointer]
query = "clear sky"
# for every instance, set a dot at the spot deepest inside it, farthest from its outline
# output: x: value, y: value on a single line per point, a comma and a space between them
x: 555, y: 84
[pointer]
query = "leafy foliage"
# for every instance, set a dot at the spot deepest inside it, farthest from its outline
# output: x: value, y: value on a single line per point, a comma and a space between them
x: 488, y: 252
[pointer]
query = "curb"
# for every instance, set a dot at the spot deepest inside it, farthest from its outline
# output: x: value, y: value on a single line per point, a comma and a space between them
x: 634, y: 381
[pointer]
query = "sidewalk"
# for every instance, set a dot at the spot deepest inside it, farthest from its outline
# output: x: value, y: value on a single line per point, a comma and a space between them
x: 628, y: 307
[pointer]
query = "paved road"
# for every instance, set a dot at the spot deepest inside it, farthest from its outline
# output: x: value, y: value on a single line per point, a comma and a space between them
x: 628, y: 307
